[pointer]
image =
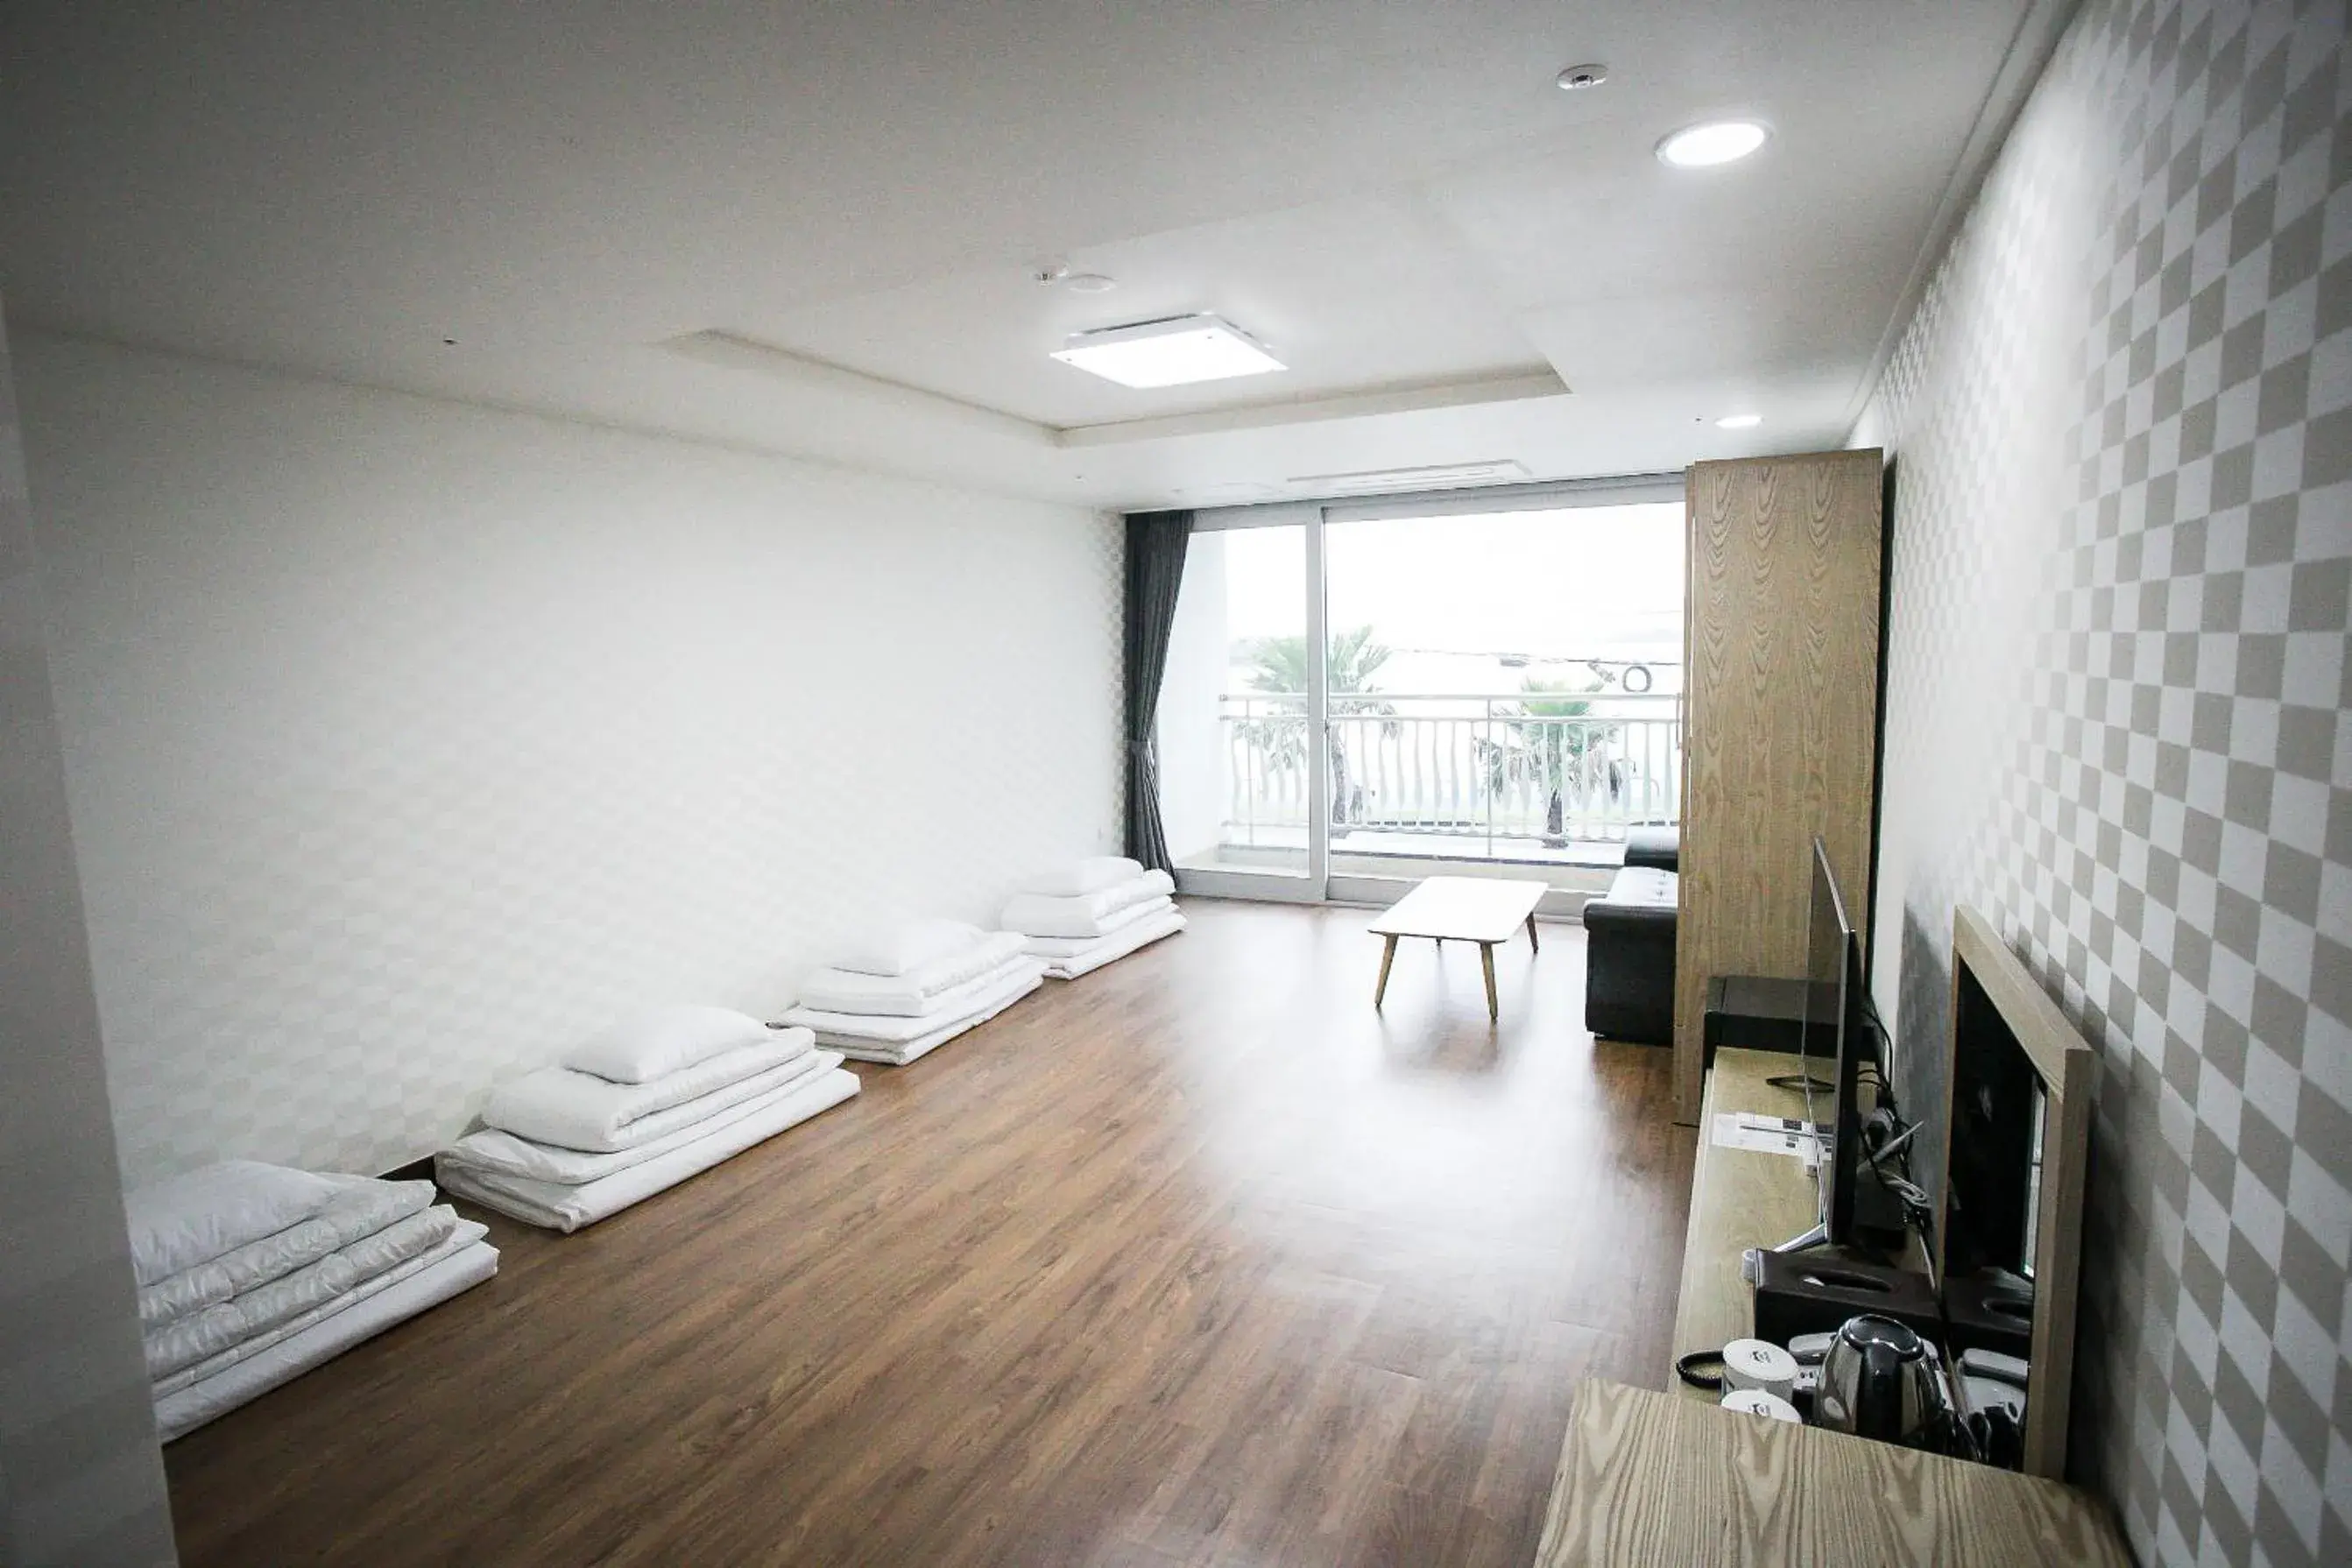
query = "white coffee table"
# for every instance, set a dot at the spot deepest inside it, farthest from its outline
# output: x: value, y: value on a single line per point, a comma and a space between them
x: 1484, y: 910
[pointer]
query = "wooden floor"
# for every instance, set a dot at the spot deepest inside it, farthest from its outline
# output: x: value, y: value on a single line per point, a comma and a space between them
x: 1196, y: 1260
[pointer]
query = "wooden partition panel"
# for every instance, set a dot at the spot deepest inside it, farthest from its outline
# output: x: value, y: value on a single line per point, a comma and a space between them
x: 1780, y: 716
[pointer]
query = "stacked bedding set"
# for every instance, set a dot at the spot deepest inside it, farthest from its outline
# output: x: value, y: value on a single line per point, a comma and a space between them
x: 250, y: 1275
x: 1082, y: 917
x: 658, y: 1098
x: 905, y: 992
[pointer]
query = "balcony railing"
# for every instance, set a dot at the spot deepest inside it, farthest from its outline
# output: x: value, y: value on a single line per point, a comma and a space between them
x: 1490, y: 768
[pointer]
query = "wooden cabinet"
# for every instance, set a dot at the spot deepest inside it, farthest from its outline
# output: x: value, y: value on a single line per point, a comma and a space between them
x: 1780, y: 716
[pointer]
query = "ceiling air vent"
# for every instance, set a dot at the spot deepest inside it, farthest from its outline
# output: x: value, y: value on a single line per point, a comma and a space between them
x: 1434, y: 477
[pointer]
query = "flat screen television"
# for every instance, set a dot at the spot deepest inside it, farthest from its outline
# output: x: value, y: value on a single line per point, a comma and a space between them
x: 1836, y: 1041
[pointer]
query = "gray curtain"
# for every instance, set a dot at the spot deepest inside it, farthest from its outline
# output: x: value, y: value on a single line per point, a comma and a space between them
x: 1155, y: 571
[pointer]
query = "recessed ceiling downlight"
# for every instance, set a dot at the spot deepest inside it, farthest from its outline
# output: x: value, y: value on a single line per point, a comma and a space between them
x: 1716, y: 141
x: 1739, y: 422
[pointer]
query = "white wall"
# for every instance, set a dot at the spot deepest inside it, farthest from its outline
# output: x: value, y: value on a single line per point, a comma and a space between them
x: 80, y: 1478
x: 1191, y: 739
x: 406, y: 740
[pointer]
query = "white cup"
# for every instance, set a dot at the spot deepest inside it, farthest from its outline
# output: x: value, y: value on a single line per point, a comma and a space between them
x: 1758, y: 1364
x: 1756, y: 1402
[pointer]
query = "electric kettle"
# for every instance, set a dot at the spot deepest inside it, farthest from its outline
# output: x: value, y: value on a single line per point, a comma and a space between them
x: 1878, y: 1379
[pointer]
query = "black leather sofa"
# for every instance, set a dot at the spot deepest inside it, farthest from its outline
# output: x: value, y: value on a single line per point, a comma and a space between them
x: 1629, y: 957
x: 1657, y: 847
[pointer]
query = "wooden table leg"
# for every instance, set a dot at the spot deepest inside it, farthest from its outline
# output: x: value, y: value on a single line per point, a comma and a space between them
x: 1487, y: 959
x: 1532, y: 943
x: 1388, y: 956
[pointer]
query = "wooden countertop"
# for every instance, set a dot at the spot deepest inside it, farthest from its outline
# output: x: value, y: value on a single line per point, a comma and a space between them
x: 1739, y: 1199
x: 1645, y: 1478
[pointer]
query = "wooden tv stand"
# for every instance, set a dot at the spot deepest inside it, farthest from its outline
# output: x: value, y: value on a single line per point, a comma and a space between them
x: 1739, y: 1199
x: 1649, y: 1478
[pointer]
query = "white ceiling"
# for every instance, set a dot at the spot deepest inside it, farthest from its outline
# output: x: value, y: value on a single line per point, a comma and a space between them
x: 1395, y: 197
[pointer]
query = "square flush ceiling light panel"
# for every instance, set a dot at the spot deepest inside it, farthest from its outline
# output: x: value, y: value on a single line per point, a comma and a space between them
x: 1175, y: 351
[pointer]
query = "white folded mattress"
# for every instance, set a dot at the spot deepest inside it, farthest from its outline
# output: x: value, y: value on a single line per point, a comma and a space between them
x: 493, y: 1153
x: 362, y: 1207
x: 184, y: 1410
x: 1114, y: 947
x: 199, y: 1336
x: 1091, y: 915
x: 942, y: 985
x: 567, y: 1207
x: 1050, y: 948
x: 899, y: 1053
x: 842, y: 1031
x: 466, y: 1232
x: 580, y: 1111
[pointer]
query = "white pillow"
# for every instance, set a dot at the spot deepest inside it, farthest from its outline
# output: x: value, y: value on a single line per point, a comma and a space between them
x: 191, y: 1219
x: 909, y: 945
x: 1088, y: 876
x: 663, y: 1040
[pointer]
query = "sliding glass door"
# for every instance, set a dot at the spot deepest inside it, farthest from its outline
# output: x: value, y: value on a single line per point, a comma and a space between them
x: 1240, y: 772
x: 1503, y: 691
x: 1362, y: 695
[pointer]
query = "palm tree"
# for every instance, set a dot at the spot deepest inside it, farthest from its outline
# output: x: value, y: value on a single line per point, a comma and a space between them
x: 1279, y: 670
x: 1541, y: 748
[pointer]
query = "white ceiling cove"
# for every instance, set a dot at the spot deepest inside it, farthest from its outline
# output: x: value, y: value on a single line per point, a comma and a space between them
x: 813, y: 229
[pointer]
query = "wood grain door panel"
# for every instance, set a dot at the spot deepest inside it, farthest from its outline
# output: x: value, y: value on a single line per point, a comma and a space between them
x: 1780, y: 734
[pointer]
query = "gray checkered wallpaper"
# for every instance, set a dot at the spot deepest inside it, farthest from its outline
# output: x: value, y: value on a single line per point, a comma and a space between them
x: 408, y: 741
x: 80, y: 1479
x: 2121, y: 429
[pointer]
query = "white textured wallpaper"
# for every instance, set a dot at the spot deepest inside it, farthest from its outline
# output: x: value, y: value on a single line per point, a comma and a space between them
x: 81, y: 1479
x: 2118, y: 670
x: 407, y: 742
